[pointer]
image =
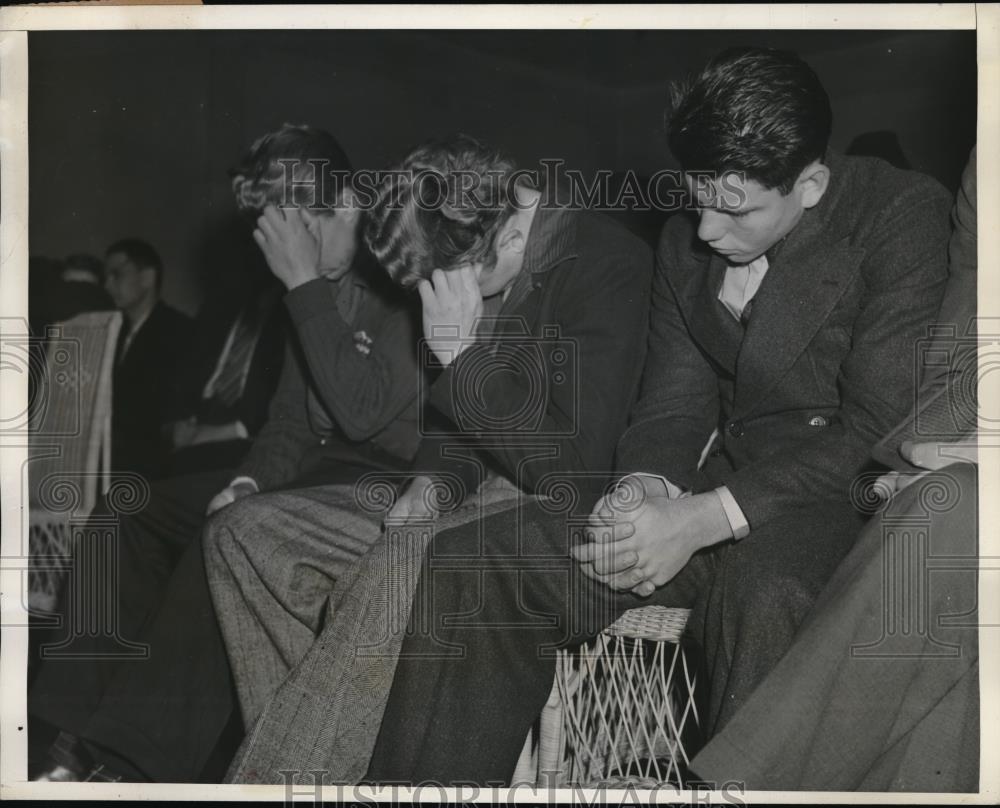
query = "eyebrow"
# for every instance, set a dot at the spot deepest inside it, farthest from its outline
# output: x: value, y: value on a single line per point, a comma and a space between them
x: 725, y: 209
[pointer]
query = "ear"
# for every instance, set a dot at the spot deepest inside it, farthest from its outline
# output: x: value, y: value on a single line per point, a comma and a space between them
x: 512, y: 241
x: 148, y: 277
x: 813, y: 182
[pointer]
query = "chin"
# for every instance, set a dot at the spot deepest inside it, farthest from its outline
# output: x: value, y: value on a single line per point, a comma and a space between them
x: 741, y: 259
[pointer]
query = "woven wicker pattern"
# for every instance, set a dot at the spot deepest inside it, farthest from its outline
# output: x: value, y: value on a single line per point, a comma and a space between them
x: 71, y: 442
x: 620, y: 706
x: 658, y: 623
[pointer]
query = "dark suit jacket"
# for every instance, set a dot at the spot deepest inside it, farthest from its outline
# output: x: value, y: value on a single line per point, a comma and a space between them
x: 547, y: 397
x: 142, y: 385
x: 212, y: 329
x: 947, y: 405
x: 827, y: 363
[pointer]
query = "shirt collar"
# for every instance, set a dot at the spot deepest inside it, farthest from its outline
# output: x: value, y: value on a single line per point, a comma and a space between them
x: 361, y: 266
x: 551, y: 237
x: 134, y: 327
x: 816, y: 226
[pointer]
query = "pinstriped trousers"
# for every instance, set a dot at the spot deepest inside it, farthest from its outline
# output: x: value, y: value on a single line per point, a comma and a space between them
x: 272, y: 561
x: 313, y: 601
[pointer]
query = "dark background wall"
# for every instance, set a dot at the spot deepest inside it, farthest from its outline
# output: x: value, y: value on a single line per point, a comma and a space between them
x: 131, y: 133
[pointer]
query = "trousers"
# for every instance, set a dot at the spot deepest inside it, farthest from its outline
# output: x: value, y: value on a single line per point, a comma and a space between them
x: 324, y: 714
x: 129, y: 687
x: 880, y: 689
x: 504, y: 595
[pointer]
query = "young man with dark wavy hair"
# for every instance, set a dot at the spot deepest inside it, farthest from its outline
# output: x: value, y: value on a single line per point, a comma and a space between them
x: 785, y: 311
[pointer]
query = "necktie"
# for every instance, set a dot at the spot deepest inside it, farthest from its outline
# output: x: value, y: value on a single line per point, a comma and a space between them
x: 124, y: 337
x: 232, y: 376
x: 740, y: 285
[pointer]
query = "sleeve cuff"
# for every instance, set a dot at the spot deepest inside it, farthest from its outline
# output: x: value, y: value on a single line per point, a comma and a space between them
x: 245, y: 479
x: 456, y: 378
x: 734, y: 513
x: 672, y: 491
x: 310, y: 299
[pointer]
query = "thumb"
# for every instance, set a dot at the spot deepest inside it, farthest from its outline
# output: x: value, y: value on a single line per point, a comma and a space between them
x: 427, y: 295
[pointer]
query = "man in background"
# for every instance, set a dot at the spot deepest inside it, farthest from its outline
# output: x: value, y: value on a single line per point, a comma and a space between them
x: 153, y: 339
x: 230, y: 375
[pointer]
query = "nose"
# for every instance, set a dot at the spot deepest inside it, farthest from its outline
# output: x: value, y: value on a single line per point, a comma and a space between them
x: 711, y: 225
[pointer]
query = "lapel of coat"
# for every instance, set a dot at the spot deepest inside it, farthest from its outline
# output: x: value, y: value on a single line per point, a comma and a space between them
x: 551, y: 240
x: 147, y: 336
x: 712, y: 327
x: 800, y: 290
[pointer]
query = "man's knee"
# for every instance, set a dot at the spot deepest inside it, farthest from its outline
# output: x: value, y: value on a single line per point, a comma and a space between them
x: 226, y: 531
x: 778, y: 573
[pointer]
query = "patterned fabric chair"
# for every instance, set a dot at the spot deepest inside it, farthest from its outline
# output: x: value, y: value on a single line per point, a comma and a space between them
x: 70, y: 444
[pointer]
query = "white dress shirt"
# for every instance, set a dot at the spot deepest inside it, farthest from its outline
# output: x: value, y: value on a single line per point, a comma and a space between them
x: 739, y: 285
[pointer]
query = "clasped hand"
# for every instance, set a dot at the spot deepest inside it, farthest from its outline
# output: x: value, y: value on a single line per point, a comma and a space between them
x: 452, y: 303
x: 638, y: 538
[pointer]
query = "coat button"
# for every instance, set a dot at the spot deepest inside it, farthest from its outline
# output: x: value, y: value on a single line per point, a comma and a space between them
x: 735, y: 429
x: 322, y: 441
x: 818, y: 420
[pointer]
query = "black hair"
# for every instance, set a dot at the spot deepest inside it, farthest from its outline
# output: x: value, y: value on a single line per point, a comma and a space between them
x: 757, y: 111
x: 141, y: 253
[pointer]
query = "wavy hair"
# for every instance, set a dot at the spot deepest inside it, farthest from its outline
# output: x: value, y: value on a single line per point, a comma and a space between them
x: 290, y: 166
x: 442, y: 207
